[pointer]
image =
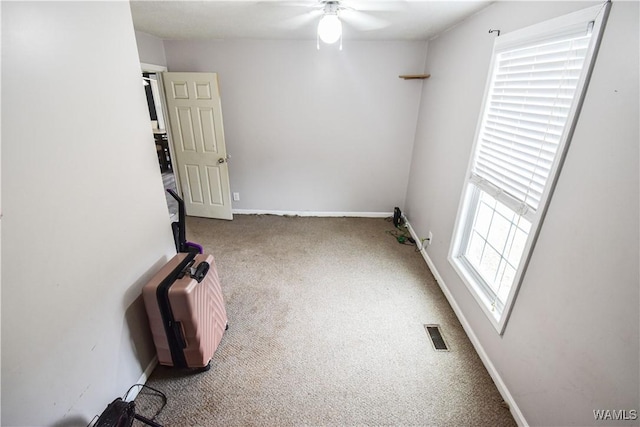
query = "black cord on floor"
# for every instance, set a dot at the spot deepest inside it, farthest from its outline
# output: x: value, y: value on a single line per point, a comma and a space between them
x: 402, y: 235
x: 158, y: 392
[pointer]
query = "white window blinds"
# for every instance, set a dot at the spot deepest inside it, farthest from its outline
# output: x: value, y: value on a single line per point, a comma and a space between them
x: 535, y: 88
x: 529, y: 99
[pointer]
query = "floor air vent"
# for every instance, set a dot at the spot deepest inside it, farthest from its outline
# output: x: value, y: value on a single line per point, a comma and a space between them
x: 437, y: 340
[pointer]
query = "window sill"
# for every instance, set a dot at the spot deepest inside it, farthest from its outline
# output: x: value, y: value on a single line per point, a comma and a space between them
x: 467, y: 276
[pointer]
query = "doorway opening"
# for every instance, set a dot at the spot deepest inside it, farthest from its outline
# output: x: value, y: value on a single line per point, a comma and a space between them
x: 161, y: 140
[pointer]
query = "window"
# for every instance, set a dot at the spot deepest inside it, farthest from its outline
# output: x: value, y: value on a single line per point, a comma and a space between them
x: 536, y: 86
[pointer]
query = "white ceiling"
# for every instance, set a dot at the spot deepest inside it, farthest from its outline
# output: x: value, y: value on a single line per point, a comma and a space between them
x: 297, y: 20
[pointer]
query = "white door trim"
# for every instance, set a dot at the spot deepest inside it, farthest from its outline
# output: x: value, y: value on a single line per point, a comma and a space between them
x: 152, y: 68
x: 158, y: 70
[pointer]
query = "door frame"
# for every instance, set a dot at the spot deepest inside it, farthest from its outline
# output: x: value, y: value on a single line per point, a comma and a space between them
x: 158, y: 70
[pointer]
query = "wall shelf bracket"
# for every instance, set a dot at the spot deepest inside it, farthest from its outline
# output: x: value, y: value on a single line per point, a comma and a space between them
x: 415, y: 76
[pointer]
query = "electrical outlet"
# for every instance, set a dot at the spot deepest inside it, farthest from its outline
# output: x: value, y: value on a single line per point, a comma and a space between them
x: 430, y: 237
x: 236, y: 197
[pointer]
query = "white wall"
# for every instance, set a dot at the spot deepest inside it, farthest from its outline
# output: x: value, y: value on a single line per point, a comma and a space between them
x: 315, y: 131
x: 150, y: 49
x: 571, y: 344
x: 85, y: 219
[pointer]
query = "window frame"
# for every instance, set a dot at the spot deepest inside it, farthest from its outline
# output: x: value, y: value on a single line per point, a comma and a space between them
x: 471, y: 192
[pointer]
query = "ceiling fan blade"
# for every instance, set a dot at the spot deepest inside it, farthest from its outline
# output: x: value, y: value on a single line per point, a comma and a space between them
x: 375, y: 5
x: 299, y: 3
x: 363, y: 21
x: 301, y: 20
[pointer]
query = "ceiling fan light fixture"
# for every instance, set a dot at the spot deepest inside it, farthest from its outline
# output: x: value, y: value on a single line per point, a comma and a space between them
x: 330, y: 28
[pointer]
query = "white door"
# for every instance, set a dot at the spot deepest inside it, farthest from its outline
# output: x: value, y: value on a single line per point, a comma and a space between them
x: 200, y: 155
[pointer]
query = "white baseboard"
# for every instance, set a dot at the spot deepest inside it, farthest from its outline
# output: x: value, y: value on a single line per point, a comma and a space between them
x: 143, y: 379
x: 497, y: 379
x: 312, y: 213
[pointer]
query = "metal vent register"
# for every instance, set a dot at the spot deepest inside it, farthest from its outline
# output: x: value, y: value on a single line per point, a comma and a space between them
x: 437, y: 340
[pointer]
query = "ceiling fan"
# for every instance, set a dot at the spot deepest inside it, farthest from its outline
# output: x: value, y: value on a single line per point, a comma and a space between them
x: 333, y: 13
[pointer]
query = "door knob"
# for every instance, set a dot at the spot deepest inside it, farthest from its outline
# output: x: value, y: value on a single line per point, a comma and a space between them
x: 221, y: 160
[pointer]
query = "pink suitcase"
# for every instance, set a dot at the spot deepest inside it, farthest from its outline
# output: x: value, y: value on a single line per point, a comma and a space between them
x: 186, y: 311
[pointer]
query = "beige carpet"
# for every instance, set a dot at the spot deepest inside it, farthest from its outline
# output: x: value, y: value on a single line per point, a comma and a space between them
x: 326, y: 328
